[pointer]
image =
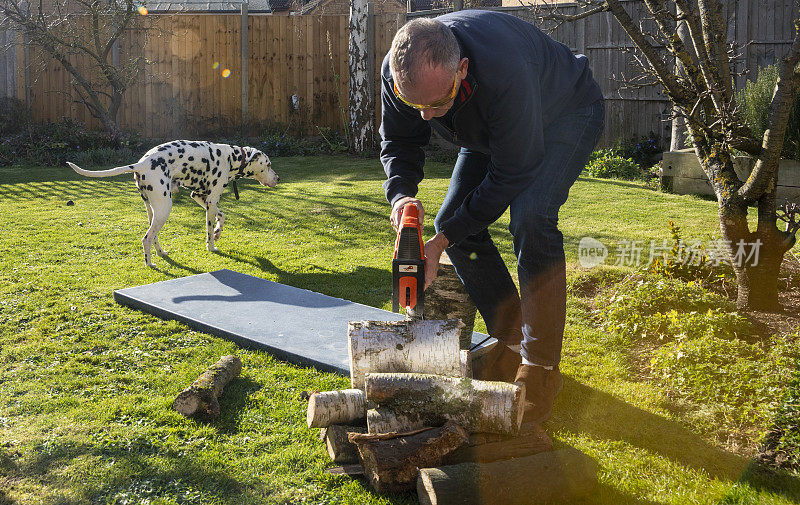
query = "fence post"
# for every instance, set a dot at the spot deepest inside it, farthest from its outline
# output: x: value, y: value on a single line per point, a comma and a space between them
x: 245, y: 69
x: 362, y: 103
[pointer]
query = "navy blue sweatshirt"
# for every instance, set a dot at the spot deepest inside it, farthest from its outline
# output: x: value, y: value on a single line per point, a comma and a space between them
x: 518, y: 81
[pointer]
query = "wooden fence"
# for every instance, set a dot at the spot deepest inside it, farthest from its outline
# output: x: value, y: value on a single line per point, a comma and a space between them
x: 182, y: 91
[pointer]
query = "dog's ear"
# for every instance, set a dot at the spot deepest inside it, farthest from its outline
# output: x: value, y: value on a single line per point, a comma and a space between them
x: 251, y: 153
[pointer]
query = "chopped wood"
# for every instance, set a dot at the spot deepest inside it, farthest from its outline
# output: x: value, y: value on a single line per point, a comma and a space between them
x: 391, y: 465
x: 202, y: 396
x: 562, y: 476
x: 477, y: 406
x: 429, y: 346
x: 336, y: 407
x: 466, y: 363
x: 383, y: 420
x: 340, y: 448
x: 524, y: 444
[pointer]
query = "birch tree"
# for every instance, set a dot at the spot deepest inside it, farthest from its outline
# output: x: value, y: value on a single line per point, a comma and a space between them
x: 703, y: 96
x: 362, y: 102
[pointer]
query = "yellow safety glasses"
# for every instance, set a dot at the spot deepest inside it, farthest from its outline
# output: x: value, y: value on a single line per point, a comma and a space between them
x: 439, y: 104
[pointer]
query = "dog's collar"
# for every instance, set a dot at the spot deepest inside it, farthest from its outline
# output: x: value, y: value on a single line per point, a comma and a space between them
x: 240, y: 170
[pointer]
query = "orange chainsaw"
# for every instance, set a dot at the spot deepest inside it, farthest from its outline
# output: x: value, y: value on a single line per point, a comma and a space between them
x: 408, y: 265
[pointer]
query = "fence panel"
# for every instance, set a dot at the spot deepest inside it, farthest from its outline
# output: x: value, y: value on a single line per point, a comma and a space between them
x: 181, y: 91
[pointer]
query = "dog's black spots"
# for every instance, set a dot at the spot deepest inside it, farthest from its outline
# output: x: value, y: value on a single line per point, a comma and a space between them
x: 204, y: 160
x: 181, y: 150
x: 225, y: 185
x: 143, y: 197
x: 162, y: 181
x: 162, y: 148
x: 217, y: 162
x: 190, y: 158
x: 143, y: 177
x: 171, y: 162
x: 219, y: 153
x: 193, y: 144
x: 214, y: 170
x: 165, y: 193
x: 180, y: 156
x: 149, y: 187
x: 214, y: 182
x: 130, y: 166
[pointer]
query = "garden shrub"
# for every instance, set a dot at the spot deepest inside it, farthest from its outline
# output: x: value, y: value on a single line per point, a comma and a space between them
x: 281, y: 140
x: 754, y: 102
x: 605, y: 163
x: 661, y: 309
x: 783, y: 441
x: 642, y: 150
x: 52, y: 144
x: 702, y: 267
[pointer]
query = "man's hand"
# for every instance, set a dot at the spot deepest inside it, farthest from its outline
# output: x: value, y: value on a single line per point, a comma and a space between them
x: 397, y: 210
x: 433, y: 252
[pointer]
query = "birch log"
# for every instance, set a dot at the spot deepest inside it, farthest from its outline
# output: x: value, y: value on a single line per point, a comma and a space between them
x: 562, y: 476
x: 336, y: 407
x: 202, y: 396
x: 339, y: 447
x: 477, y: 406
x: 466, y: 363
x: 447, y: 298
x: 382, y: 420
x: 403, y: 346
x: 392, y: 465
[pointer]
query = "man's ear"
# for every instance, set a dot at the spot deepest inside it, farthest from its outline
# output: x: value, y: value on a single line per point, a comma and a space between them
x: 462, y: 67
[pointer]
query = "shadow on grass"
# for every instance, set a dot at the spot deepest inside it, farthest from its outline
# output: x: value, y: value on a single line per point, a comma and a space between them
x: 150, y: 471
x: 604, y: 417
x: 233, y: 404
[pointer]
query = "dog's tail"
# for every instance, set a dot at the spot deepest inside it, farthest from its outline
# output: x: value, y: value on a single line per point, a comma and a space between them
x: 102, y: 173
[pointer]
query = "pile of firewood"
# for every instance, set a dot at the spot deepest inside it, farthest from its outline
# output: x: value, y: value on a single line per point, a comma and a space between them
x: 415, y: 418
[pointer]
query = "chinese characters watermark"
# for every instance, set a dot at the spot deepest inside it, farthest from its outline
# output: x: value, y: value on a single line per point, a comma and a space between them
x: 632, y: 253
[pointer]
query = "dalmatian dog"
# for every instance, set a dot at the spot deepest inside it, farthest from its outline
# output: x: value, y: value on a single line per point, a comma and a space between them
x: 204, y: 168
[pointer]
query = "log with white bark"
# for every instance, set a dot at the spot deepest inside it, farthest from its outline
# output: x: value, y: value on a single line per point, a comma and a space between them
x: 466, y: 363
x: 383, y: 420
x: 447, y: 298
x: 202, y: 396
x: 477, y: 406
x: 391, y: 465
x: 426, y: 346
x: 339, y: 447
x: 336, y: 407
x: 562, y: 476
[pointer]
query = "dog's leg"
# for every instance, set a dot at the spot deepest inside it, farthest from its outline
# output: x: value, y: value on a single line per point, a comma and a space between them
x: 159, y: 250
x: 211, y: 212
x: 220, y: 221
x: 160, y: 213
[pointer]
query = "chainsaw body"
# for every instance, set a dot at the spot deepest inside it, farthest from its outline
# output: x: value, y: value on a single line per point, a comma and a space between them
x: 408, y: 265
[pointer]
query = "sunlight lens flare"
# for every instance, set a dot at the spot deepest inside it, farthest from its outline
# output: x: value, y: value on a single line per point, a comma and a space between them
x: 215, y: 65
x: 226, y: 73
x: 142, y: 10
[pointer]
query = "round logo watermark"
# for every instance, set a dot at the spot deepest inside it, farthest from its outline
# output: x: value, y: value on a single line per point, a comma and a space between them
x: 591, y: 252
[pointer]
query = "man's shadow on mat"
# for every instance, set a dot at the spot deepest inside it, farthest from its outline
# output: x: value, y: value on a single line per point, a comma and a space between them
x: 581, y: 409
x: 377, y: 281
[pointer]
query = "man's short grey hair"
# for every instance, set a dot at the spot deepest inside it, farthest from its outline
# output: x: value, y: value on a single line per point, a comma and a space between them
x: 422, y: 42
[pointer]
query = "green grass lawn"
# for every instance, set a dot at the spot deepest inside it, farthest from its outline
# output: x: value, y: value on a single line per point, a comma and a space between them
x: 86, y: 385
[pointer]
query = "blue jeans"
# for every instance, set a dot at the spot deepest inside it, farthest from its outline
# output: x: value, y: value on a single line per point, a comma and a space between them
x: 534, y: 316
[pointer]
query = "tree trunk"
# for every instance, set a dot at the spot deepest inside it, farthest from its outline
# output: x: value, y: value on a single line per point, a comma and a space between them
x: 447, y: 298
x: 391, y: 465
x: 562, y: 476
x: 531, y: 440
x: 493, y: 407
x: 336, y: 407
x: 425, y: 346
x: 362, y: 107
x: 340, y: 448
x: 202, y: 396
x: 756, y: 259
